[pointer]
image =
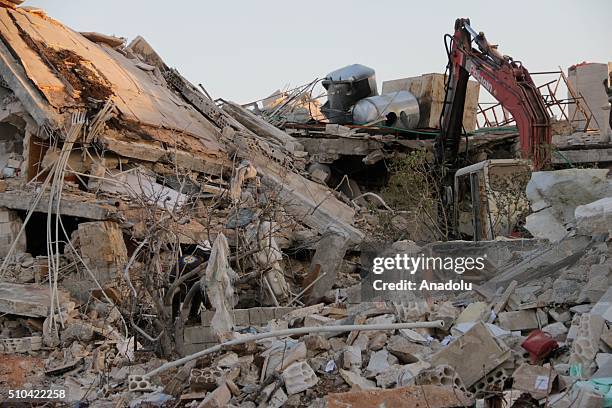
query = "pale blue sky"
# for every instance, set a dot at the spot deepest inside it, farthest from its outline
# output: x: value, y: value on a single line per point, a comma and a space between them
x: 244, y: 50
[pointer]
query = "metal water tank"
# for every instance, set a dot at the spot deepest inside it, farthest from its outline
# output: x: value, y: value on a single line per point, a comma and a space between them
x: 397, y: 109
x: 345, y: 86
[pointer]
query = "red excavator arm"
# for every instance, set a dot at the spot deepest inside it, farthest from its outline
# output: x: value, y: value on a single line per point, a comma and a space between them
x: 507, y: 80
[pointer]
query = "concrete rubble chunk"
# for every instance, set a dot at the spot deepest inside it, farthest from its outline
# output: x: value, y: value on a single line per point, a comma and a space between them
x: 442, y: 375
x: 536, y: 380
x: 356, y: 381
x: 518, y: 320
x: 557, y: 330
x: 586, y: 344
x: 219, y: 398
x: 27, y: 300
x: 406, y: 351
x: 278, y: 399
x: 299, y: 377
x: 351, y: 358
x: 474, y: 312
x: 328, y: 256
x: 484, y: 351
x: 378, y: 363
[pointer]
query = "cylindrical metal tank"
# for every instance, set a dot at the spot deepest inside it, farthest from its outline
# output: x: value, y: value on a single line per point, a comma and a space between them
x: 397, y: 109
x: 345, y: 86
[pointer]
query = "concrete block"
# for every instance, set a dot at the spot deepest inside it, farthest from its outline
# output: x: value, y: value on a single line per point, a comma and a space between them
x: 474, y: 353
x: 138, y: 383
x: 586, y: 344
x: 256, y: 316
x: 241, y: 317
x: 199, y: 334
x: 442, y: 375
x: 299, y: 377
x: 491, y: 383
x: 20, y: 345
x: 518, y: 320
x: 204, y: 379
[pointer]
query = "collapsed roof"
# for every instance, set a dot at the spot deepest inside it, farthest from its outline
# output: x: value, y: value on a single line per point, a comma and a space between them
x: 54, y: 71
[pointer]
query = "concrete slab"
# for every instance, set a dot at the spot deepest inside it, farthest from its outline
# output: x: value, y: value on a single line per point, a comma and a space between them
x: 27, y: 300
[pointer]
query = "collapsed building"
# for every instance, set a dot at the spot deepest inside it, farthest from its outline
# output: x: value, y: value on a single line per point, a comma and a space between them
x: 158, y: 245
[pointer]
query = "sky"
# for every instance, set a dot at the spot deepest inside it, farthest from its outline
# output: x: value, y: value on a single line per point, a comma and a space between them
x: 244, y: 50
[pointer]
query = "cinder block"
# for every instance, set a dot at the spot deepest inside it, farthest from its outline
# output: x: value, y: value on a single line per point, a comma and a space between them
x: 491, y: 383
x: 267, y: 314
x: 299, y: 377
x: 139, y: 383
x: 255, y: 316
x: 241, y: 317
x: 586, y: 344
x: 20, y: 345
x: 204, y: 379
x: 199, y: 334
x: 442, y: 375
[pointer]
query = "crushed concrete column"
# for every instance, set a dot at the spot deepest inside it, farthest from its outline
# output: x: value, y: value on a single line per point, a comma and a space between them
x: 328, y: 256
x: 102, y: 249
x: 10, y: 225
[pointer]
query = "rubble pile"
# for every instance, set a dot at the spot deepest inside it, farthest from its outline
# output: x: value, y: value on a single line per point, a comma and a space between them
x: 160, y: 248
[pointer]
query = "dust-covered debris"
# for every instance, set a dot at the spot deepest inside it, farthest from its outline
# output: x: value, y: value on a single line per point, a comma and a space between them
x: 161, y: 248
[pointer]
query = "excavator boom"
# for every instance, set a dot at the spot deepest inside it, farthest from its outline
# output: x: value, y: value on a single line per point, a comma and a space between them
x: 507, y: 80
